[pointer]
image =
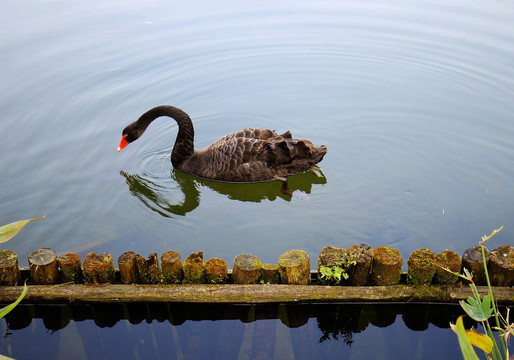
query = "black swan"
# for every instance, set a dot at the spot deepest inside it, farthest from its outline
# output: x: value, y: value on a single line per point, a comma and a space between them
x: 249, y: 155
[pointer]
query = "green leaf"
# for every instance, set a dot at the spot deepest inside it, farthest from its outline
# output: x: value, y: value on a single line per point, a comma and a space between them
x: 476, y: 309
x: 7, y: 232
x: 465, y: 346
x: 7, y: 309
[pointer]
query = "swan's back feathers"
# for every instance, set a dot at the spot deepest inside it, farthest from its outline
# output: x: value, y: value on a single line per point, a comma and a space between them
x: 254, y: 155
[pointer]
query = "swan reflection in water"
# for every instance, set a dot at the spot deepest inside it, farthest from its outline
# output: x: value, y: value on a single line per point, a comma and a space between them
x: 164, y: 198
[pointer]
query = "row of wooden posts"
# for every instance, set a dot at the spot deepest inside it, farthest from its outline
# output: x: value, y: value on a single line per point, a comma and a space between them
x: 358, y: 265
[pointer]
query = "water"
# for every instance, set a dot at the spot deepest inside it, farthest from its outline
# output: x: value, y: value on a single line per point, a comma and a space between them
x: 412, y: 98
x: 173, y: 331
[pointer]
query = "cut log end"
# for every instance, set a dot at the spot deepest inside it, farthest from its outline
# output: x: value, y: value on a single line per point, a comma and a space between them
x: 501, y: 266
x: 421, y: 267
x: 294, y: 267
x: 44, y: 269
x: 70, y: 268
x: 172, y: 268
x: 387, y: 266
x: 98, y: 269
x: 247, y: 269
x: 9, y: 270
x: 194, y: 269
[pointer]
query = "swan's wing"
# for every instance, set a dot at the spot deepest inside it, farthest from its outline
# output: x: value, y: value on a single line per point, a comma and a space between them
x: 253, y: 155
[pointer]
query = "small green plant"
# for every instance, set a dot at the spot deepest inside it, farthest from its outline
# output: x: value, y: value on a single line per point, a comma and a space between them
x: 482, y: 309
x: 336, y: 274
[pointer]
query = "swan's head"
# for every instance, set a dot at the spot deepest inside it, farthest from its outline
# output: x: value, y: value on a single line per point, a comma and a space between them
x: 131, y: 133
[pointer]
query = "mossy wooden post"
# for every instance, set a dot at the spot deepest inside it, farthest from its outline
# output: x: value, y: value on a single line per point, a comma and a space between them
x: 387, y: 266
x: 421, y: 267
x: 247, y: 269
x: 270, y: 274
x: 70, y: 268
x: 172, y: 269
x: 43, y: 267
x: 148, y: 269
x: 295, y: 267
x: 473, y: 261
x: 359, y: 274
x: 501, y: 266
x: 98, y: 269
x: 450, y: 260
x: 194, y: 269
x: 9, y: 270
x: 128, y: 268
x: 330, y: 257
x: 216, y: 271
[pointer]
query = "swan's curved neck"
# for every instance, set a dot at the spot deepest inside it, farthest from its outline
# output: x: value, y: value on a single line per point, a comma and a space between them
x: 184, y: 144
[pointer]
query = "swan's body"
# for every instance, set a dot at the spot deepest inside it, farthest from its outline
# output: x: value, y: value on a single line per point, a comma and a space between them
x: 249, y: 155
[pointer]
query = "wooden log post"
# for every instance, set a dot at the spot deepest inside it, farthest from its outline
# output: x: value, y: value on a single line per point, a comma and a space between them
x: 295, y: 267
x: 148, y: 269
x: 387, y: 266
x: 98, y: 269
x: 247, y: 269
x: 194, y: 269
x: 9, y: 270
x: 70, y: 268
x: 421, y: 267
x: 473, y: 261
x: 360, y: 273
x: 330, y: 265
x: 270, y: 274
x: 451, y: 261
x: 128, y: 268
x: 44, y: 269
x: 172, y: 269
x: 216, y: 271
x: 501, y: 266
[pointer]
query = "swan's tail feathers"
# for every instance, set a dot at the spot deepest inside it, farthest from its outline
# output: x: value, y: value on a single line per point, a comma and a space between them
x: 293, y: 151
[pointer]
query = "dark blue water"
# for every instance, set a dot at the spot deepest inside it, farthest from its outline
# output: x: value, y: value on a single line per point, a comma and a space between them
x: 412, y: 98
x: 179, y: 331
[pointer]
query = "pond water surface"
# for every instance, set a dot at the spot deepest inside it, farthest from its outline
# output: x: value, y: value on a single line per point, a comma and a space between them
x: 412, y: 98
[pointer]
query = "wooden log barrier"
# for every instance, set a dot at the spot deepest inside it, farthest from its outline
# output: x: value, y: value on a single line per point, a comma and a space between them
x: 44, y: 269
x: 98, y: 269
x: 387, y: 266
x: 450, y: 260
x: 294, y: 267
x: 128, y: 268
x: 501, y: 266
x: 70, y: 268
x: 148, y: 269
x: 172, y: 269
x: 248, y: 294
x: 422, y: 267
x: 216, y: 271
x: 473, y: 261
x: 9, y: 270
x: 247, y: 269
x: 330, y: 261
x: 194, y: 269
x: 360, y: 273
x: 270, y: 274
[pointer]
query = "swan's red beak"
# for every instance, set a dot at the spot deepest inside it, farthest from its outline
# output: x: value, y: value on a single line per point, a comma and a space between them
x: 123, y: 143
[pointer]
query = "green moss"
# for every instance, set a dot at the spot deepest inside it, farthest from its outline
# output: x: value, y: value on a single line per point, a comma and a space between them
x: 422, y: 267
x: 387, y: 266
